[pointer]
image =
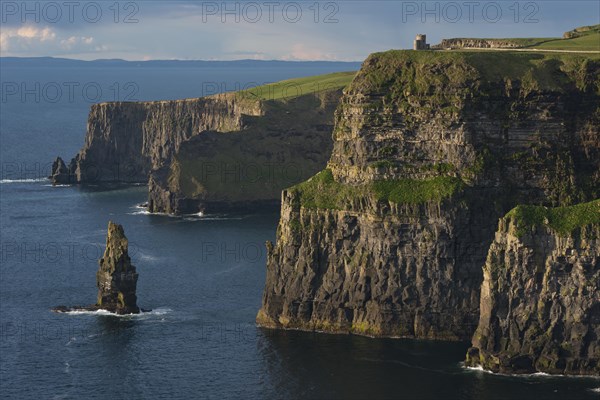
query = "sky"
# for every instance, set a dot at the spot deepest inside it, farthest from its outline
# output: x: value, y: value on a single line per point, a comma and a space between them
x: 268, y: 30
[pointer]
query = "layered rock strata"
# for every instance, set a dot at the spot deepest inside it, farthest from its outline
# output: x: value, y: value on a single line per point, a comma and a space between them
x: 540, y: 297
x: 430, y: 150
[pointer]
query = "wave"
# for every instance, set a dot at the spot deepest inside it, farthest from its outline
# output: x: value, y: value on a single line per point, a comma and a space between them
x: 479, y: 368
x: 30, y: 180
x: 595, y: 390
x: 59, y: 185
x: 200, y: 216
x: 156, y: 311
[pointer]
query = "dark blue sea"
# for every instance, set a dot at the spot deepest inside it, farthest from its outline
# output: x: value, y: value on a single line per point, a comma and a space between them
x: 202, y: 276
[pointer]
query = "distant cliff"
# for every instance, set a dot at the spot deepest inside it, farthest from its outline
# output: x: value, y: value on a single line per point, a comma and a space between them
x: 233, y: 150
x: 540, y: 297
x: 125, y: 141
x: 289, y: 142
x: 430, y: 150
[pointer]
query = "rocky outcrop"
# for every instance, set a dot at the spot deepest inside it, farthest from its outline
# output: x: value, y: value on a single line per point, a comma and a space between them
x: 61, y: 174
x: 540, y: 297
x: 430, y: 150
x: 116, y: 277
x: 290, y: 142
x: 474, y: 43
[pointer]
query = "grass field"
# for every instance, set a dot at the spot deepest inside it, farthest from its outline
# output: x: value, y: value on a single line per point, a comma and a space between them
x: 583, y: 39
x: 293, y: 88
x: 586, y: 42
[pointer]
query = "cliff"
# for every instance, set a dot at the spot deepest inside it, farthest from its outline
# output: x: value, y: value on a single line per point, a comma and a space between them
x: 227, y: 151
x: 540, y: 297
x: 430, y: 150
x: 288, y: 143
x: 126, y: 140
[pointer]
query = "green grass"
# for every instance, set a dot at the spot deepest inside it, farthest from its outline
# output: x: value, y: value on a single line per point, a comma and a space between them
x: 588, y: 42
x: 323, y: 192
x: 292, y: 88
x: 563, y: 220
x: 586, y: 38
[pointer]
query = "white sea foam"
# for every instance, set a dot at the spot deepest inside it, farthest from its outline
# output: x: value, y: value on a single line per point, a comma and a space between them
x: 157, y: 311
x: 479, y: 368
x: 31, y: 180
x: 59, y: 185
x: 596, y: 390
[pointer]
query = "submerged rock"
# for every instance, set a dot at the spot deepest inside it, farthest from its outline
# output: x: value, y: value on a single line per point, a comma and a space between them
x: 116, y: 278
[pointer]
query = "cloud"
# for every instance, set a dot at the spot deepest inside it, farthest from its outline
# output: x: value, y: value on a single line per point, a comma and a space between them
x: 73, y: 41
x: 24, y: 36
x: 27, y: 40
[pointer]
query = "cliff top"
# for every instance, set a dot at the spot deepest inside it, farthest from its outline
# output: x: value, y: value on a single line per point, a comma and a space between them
x: 398, y: 72
x: 293, y: 88
x: 281, y: 91
x: 584, y: 38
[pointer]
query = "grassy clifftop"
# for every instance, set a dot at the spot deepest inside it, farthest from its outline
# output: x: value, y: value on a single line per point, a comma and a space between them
x: 585, y: 38
x: 563, y: 220
x: 293, y: 88
x: 401, y: 72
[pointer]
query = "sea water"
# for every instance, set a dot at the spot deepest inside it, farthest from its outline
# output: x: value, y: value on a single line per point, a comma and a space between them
x: 202, y: 276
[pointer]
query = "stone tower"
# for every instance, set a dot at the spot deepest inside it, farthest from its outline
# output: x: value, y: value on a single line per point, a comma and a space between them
x: 420, y: 42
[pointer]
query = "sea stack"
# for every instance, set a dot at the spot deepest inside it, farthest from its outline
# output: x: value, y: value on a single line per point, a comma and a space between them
x: 116, y: 278
x: 61, y: 174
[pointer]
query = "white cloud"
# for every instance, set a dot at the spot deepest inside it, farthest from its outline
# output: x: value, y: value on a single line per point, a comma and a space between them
x: 73, y: 41
x: 29, y: 40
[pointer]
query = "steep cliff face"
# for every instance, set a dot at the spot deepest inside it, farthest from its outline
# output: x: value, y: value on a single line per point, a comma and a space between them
x: 430, y: 149
x: 228, y: 151
x: 540, y: 297
x: 290, y: 142
x: 125, y: 141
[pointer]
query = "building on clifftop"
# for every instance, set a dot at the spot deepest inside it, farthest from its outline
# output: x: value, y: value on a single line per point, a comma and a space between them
x: 420, y: 42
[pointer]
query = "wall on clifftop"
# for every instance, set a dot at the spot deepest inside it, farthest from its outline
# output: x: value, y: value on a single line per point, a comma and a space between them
x: 430, y: 149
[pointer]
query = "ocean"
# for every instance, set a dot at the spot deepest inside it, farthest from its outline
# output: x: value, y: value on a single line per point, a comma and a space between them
x: 202, y: 276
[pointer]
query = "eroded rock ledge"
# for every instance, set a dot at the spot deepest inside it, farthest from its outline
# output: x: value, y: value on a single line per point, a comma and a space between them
x: 540, y: 297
